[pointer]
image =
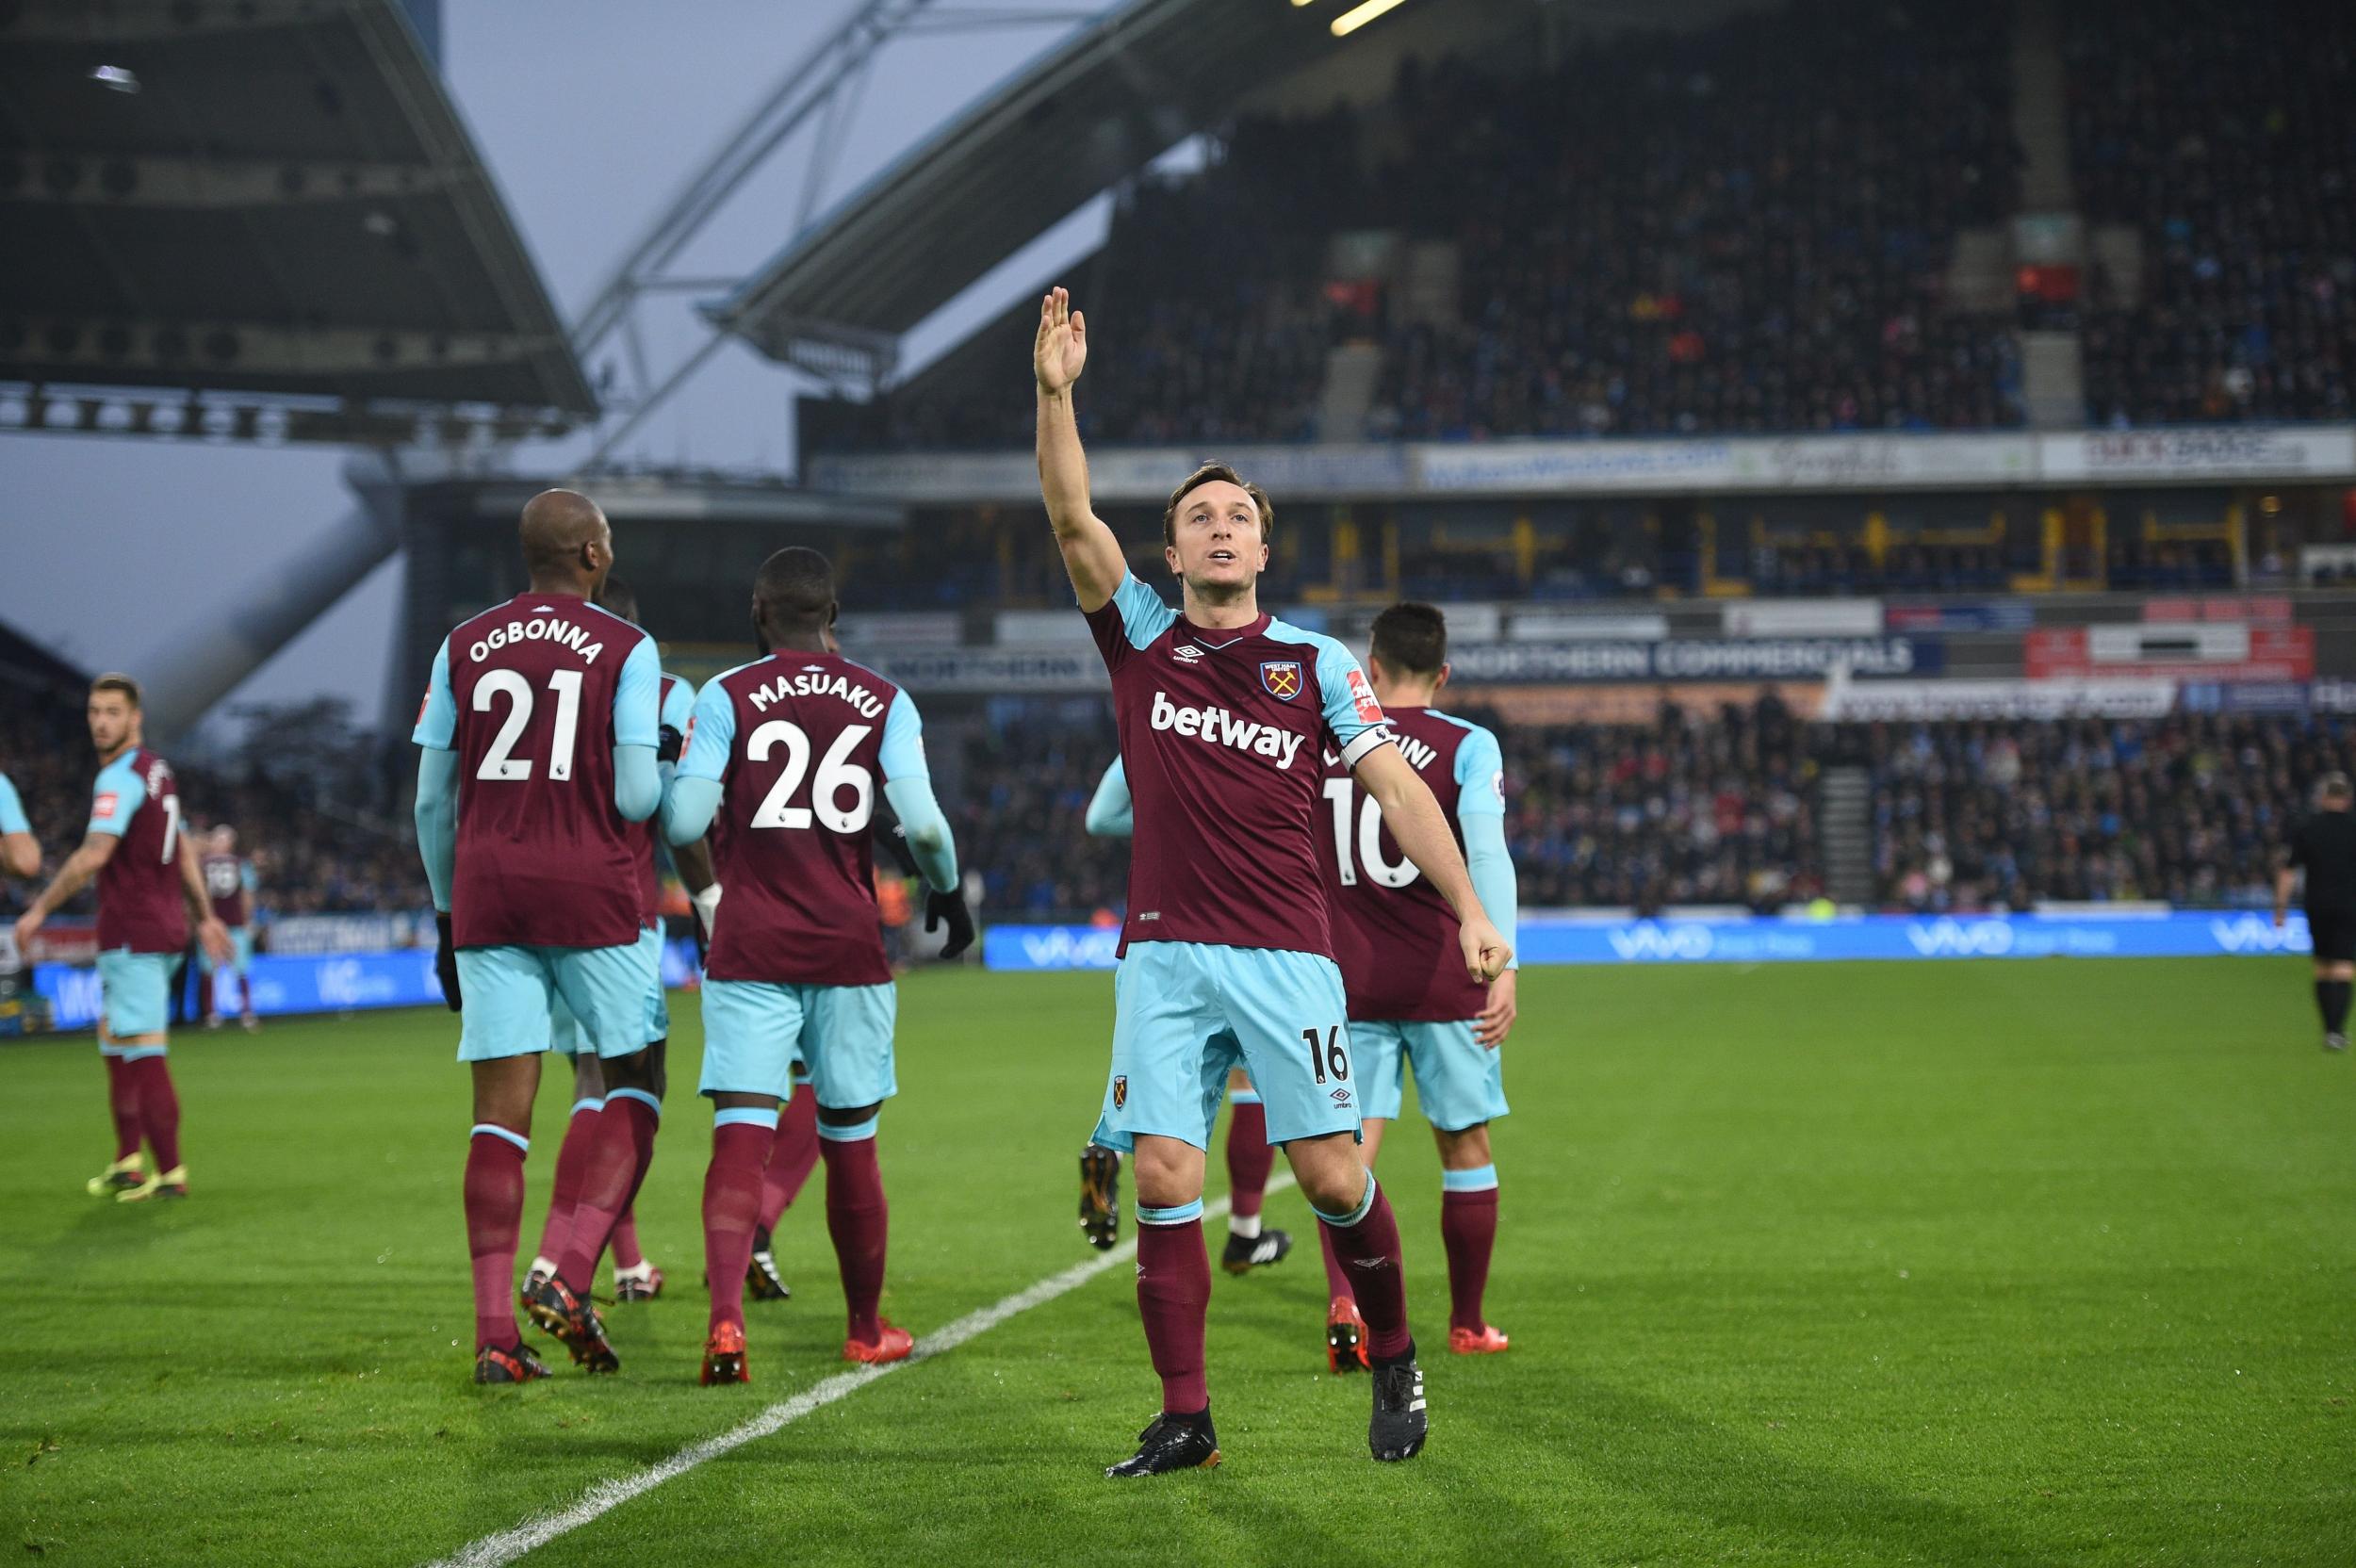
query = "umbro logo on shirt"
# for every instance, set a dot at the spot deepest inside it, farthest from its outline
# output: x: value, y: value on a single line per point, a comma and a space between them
x: 1185, y: 653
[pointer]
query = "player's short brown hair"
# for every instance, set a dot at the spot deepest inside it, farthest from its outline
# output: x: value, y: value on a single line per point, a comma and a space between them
x: 2334, y: 786
x: 1209, y: 473
x: 111, y: 682
x: 1410, y: 639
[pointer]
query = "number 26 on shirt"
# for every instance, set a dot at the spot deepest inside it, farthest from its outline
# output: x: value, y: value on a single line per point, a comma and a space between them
x: 836, y: 775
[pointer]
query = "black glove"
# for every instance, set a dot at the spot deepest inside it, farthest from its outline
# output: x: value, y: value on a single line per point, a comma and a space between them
x: 446, y: 961
x: 668, y: 744
x: 949, y: 907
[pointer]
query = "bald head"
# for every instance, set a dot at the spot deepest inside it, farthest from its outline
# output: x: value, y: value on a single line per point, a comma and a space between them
x: 567, y: 546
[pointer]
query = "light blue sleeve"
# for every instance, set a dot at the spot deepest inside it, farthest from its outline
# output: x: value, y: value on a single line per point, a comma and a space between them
x: 11, y: 809
x: 638, y: 699
x: 436, y: 815
x: 903, y: 752
x: 1480, y: 774
x: 248, y: 878
x: 1492, y: 868
x: 117, y: 796
x: 927, y: 830
x: 1111, y: 812
x: 1351, y: 713
x: 637, y: 782
x: 1144, y: 614
x: 679, y: 712
x: 710, y: 735
x: 692, y: 799
x: 1480, y: 813
x: 437, y: 720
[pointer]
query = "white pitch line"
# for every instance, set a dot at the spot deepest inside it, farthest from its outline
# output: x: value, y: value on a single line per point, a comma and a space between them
x: 602, y: 1498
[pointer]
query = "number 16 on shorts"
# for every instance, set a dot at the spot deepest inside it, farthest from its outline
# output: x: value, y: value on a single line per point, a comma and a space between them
x: 1329, y: 1053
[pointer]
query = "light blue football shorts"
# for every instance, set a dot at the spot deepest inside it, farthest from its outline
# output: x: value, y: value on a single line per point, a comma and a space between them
x: 240, y: 951
x: 510, y: 996
x: 564, y: 1029
x: 134, y: 998
x: 1459, y: 1082
x: 1186, y: 1012
x: 755, y: 1031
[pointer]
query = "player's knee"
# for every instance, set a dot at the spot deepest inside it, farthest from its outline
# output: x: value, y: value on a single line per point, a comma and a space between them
x: 1168, y: 1172
x: 633, y: 1072
x: 1467, y: 1149
x: 848, y: 1123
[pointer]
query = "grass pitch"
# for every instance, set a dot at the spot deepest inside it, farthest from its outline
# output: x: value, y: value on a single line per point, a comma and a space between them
x: 1859, y: 1264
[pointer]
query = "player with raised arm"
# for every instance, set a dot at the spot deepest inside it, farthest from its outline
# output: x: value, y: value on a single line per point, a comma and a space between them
x: 539, y: 739
x: 1227, y: 952
x: 635, y: 1278
x: 782, y: 767
x: 231, y: 884
x: 1111, y: 814
x: 1411, y: 1002
x: 149, y: 891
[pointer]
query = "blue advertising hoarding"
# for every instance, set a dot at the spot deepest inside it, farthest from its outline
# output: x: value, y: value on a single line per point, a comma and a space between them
x: 1576, y: 940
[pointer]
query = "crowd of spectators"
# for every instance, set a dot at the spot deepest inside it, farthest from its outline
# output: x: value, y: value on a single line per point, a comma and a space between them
x: 2225, y: 134
x: 2192, y: 808
x: 1722, y: 808
x: 1742, y: 229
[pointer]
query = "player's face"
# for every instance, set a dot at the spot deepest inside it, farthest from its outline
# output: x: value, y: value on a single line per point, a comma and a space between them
x: 1218, y: 546
x: 225, y: 840
x: 112, y: 720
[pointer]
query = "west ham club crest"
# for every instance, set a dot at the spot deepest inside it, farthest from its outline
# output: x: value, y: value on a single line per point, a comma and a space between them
x: 1282, y: 677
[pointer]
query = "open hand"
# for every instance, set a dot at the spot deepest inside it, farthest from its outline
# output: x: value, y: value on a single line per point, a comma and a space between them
x: 1062, y: 347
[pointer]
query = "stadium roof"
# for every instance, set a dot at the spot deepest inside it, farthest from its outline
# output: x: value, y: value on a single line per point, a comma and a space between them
x: 1100, y: 108
x: 271, y: 198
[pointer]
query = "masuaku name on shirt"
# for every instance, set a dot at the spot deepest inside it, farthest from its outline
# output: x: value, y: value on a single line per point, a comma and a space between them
x: 815, y: 683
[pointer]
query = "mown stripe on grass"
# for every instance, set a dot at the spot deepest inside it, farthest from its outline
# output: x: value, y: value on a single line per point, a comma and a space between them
x: 508, y: 1544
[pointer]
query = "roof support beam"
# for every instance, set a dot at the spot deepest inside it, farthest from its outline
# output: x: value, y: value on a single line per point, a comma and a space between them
x: 107, y: 179
x: 57, y: 347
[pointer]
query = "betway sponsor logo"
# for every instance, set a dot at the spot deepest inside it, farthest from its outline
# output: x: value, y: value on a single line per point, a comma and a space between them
x: 1218, y: 727
x: 1649, y: 942
x: 1960, y: 939
x: 2256, y: 934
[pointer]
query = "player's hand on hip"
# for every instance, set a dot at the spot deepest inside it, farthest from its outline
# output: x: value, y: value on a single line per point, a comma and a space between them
x: 1062, y: 348
x: 1486, y: 952
x: 1497, y: 1020
x: 940, y: 907
x: 446, y: 961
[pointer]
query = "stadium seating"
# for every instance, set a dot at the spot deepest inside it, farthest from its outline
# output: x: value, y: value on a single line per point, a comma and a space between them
x: 2225, y: 134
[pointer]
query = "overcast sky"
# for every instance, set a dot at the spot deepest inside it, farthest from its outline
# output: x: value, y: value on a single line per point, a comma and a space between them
x: 590, y: 113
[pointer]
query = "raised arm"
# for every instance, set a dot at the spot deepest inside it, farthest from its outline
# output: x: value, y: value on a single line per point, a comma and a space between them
x: 1090, y: 553
x: 1415, y: 820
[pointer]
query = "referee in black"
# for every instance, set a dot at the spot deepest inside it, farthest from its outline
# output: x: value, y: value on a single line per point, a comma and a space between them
x: 2324, y: 846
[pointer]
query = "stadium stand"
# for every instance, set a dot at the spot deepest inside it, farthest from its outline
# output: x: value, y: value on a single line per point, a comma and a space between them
x: 2225, y: 134
x: 1604, y: 220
